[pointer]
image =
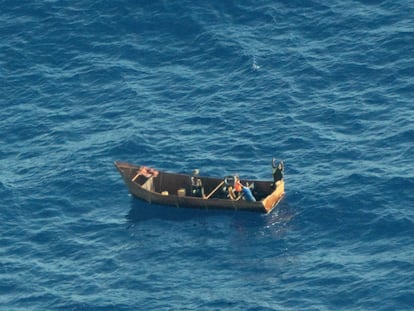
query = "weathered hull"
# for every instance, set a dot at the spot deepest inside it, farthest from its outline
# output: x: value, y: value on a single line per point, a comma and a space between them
x: 170, y: 183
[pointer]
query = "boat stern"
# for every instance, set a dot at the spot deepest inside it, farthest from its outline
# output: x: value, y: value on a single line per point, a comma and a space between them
x: 274, y: 198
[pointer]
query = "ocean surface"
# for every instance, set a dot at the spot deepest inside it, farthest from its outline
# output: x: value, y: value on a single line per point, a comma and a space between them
x: 222, y: 86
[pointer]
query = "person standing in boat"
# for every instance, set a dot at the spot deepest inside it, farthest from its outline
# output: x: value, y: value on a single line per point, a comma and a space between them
x: 277, y: 171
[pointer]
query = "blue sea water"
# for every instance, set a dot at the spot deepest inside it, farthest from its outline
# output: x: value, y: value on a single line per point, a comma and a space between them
x: 222, y: 86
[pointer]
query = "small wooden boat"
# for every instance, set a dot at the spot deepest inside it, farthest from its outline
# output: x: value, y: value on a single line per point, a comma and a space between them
x: 195, y: 191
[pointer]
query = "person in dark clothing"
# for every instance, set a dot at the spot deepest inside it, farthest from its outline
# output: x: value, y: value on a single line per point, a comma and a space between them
x: 277, y: 171
x: 197, y: 189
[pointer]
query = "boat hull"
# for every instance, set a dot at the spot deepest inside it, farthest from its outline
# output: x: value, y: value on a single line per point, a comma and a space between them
x: 171, y: 189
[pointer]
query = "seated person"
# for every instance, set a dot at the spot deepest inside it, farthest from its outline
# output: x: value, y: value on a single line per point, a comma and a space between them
x: 239, y: 191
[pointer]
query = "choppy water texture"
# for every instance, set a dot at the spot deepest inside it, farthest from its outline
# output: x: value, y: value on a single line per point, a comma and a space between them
x: 221, y: 86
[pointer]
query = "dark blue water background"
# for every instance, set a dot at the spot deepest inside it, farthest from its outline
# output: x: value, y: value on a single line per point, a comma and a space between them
x: 222, y: 86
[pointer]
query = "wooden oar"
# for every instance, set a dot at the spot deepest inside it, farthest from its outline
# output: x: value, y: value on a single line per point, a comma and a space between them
x: 214, y: 190
x: 136, y: 176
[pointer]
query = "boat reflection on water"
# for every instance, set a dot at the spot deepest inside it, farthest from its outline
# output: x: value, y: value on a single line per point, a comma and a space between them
x: 275, y: 223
